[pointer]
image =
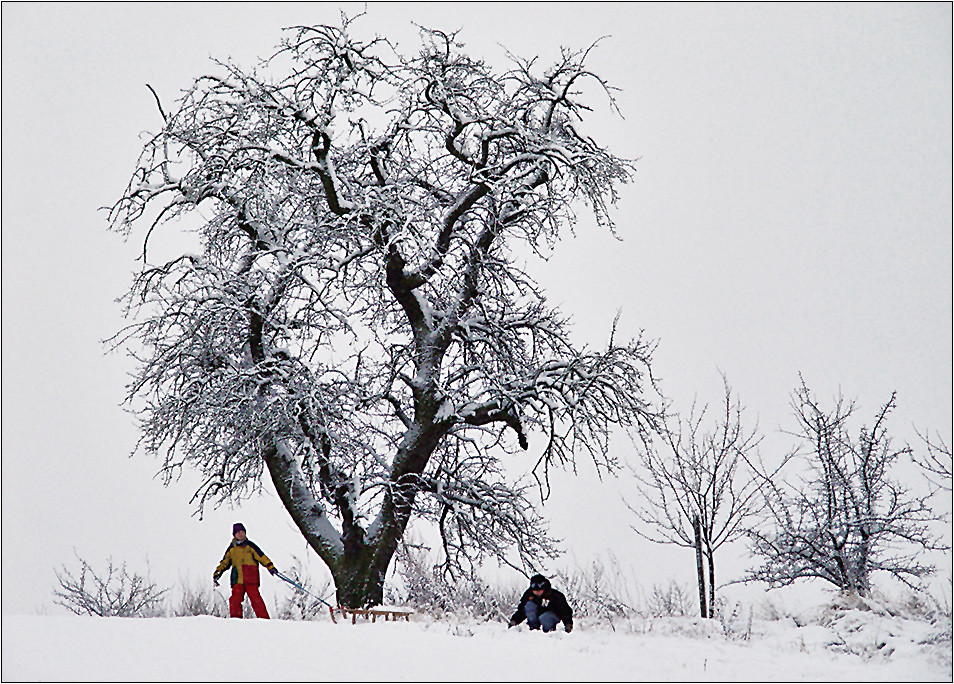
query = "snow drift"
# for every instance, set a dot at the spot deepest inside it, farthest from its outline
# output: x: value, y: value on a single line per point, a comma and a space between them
x: 853, y: 645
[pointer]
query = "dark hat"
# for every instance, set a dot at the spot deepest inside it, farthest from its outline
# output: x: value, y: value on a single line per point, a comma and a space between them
x: 539, y: 582
x: 238, y: 526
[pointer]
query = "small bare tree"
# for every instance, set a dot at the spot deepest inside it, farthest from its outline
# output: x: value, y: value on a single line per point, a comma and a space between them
x: 846, y: 518
x: 115, y: 593
x: 358, y: 323
x: 695, y: 487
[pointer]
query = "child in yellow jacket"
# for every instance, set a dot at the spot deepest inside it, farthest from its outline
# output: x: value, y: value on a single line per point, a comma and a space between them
x: 244, y: 556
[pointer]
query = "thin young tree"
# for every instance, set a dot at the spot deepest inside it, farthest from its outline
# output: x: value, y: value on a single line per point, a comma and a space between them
x: 845, y: 517
x: 358, y: 322
x: 695, y: 487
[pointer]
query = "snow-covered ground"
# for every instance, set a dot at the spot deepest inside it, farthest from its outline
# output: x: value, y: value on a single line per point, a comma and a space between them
x: 854, y: 646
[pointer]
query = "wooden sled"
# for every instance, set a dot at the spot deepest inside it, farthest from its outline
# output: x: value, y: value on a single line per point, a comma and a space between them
x: 393, y: 613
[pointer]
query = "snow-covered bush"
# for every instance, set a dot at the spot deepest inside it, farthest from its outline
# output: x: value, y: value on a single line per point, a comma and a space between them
x: 674, y: 600
x: 926, y: 606
x: 200, y: 600
x: 303, y: 605
x: 418, y: 583
x: 735, y: 621
x: 598, y: 593
x: 113, y: 593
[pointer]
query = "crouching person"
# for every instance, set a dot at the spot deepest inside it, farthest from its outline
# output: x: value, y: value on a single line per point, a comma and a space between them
x: 244, y: 556
x: 543, y: 607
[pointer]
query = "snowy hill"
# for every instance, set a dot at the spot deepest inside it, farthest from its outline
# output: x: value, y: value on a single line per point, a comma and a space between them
x: 855, y: 646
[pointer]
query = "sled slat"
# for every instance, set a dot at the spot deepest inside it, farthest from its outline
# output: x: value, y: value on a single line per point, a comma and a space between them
x: 392, y: 614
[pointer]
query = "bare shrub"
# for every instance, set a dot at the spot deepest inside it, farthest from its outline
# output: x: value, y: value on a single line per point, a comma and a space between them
x: 939, y: 612
x: 200, y: 600
x: 420, y: 584
x: 304, y: 605
x: 674, y: 600
x: 770, y: 610
x: 599, y: 592
x: 917, y: 604
x: 114, y: 593
x: 736, y: 623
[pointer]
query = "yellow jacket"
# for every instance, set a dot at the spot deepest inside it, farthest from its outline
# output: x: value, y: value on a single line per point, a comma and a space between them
x: 244, y: 557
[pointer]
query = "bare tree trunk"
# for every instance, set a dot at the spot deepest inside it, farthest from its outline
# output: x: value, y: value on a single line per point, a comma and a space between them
x: 359, y: 579
x: 710, y: 557
x: 700, y: 574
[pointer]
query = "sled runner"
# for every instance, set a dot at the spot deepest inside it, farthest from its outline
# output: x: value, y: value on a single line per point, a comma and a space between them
x: 393, y: 613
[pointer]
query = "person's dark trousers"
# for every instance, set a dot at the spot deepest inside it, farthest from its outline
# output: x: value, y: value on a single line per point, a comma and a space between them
x: 548, y: 620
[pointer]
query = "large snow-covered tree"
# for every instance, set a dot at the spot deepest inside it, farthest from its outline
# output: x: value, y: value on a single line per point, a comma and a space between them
x: 358, y: 321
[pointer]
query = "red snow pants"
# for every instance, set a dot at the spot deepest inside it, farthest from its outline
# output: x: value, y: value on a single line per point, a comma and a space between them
x: 238, y: 596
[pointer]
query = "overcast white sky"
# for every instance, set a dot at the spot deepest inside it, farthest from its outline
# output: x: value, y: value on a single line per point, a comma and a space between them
x: 791, y: 214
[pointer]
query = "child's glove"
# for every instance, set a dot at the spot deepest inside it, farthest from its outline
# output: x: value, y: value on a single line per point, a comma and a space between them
x: 569, y: 625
